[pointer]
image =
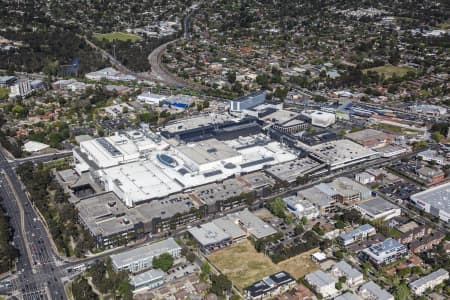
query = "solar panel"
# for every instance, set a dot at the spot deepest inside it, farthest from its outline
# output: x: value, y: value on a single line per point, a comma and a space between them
x: 212, y: 173
x: 109, y: 147
x: 257, y: 162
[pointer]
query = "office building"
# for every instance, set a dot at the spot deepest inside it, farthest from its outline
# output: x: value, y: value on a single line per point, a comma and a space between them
x: 358, y: 234
x: 385, y: 252
x: 248, y: 101
x: 21, y: 89
x: 321, y: 196
x: 429, y: 281
x: 364, y: 178
x: 349, y: 192
x: 301, y: 208
x: 141, y: 258
x: 435, y: 201
x: 320, y: 118
x: 322, y: 283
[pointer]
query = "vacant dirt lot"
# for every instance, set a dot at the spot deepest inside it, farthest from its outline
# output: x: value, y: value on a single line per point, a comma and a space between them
x: 242, y: 264
x: 299, y: 265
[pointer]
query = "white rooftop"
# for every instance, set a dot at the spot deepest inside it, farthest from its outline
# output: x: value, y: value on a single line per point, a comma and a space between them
x: 32, y: 146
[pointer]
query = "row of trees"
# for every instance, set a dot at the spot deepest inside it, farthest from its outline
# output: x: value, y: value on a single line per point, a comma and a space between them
x: 108, y: 281
x: 8, y: 253
x: 60, y: 215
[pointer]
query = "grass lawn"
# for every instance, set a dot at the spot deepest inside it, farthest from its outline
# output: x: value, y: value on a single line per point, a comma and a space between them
x: 120, y: 36
x: 4, y: 93
x: 242, y: 264
x: 445, y: 25
x: 389, y: 70
x: 299, y: 265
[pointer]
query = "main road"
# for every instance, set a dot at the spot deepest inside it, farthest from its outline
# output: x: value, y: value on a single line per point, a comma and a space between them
x: 39, y: 270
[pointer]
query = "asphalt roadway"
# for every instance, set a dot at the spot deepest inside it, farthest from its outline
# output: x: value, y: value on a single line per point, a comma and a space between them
x: 39, y: 271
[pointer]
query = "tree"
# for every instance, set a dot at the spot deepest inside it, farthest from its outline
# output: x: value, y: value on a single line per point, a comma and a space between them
x: 231, y: 77
x: 19, y: 111
x: 436, y: 136
x: 163, y: 262
x: 205, y: 270
x: 190, y: 256
x: 220, y: 284
x: 299, y: 229
x: 401, y: 292
x: 276, y: 207
x: 81, y: 290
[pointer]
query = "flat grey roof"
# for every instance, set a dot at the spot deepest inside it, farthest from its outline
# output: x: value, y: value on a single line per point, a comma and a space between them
x: 155, y: 249
x: 438, y: 197
x: 229, y: 227
x: 105, y: 214
x: 289, y: 171
x: 147, y: 277
x: 377, y: 205
x: 320, y: 278
x: 207, y: 151
x: 167, y: 207
x: 347, y: 296
x: 358, y: 230
x: 317, y: 196
x: 209, y: 234
x: 427, y: 278
x: 197, y: 121
x: 257, y: 227
x: 213, y: 192
x: 376, y: 290
x: 349, y: 271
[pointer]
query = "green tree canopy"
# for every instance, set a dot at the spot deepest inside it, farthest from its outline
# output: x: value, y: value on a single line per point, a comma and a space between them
x: 163, y: 262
